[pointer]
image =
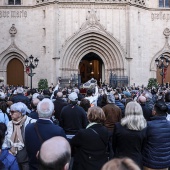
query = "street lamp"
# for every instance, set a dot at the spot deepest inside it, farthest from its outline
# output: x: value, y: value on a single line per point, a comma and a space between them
x: 162, y: 63
x: 31, y: 64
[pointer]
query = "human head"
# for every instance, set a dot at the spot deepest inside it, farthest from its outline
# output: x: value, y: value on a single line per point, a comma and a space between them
x: 121, y: 164
x: 55, y: 154
x: 59, y: 95
x: 35, y: 95
x: 85, y: 104
x: 73, y: 98
x: 19, y: 90
x: 116, y: 96
x: 142, y: 99
x: 160, y: 108
x: 34, y: 103
x: 3, y: 106
x: 96, y: 114
x: 45, y: 108
x: 18, y: 110
x: 2, y: 95
x: 89, y: 92
x: 134, y: 118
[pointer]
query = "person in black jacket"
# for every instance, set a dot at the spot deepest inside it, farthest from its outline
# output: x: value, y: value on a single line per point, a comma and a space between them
x: 73, y: 117
x: 130, y: 133
x: 91, y: 143
x: 59, y: 103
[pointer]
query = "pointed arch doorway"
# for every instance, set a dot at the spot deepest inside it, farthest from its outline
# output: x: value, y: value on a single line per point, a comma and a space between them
x: 91, y: 67
x: 15, y: 72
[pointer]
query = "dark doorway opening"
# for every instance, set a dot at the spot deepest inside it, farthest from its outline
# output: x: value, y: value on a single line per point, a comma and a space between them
x: 91, y: 67
x: 15, y: 72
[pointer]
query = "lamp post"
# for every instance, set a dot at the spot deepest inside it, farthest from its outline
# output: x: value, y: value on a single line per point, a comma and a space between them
x: 162, y: 63
x: 31, y: 64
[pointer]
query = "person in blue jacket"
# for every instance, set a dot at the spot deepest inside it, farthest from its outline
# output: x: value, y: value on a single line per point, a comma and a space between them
x: 6, y: 158
x: 156, y: 152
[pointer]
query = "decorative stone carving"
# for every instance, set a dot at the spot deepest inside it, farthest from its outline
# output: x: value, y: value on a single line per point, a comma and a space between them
x: 13, y: 47
x: 13, y: 30
x: 166, y: 32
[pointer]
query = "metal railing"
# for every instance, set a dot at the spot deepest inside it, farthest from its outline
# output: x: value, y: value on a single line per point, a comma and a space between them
x: 70, y: 81
x: 118, y: 81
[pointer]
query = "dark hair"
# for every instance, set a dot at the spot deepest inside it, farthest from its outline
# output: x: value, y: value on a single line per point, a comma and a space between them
x: 104, y: 99
x: 85, y: 104
x: 160, y: 107
x: 167, y: 97
x: 46, y: 92
x: 3, y: 106
x: 89, y: 92
x: 55, y: 93
x: 3, y: 129
x: 55, y: 165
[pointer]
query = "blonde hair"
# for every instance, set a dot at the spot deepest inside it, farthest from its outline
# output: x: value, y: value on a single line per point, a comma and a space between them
x: 134, y: 118
x: 96, y: 114
x: 121, y: 164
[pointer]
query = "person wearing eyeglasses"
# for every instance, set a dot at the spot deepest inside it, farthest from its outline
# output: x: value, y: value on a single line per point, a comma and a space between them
x: 16, y: 132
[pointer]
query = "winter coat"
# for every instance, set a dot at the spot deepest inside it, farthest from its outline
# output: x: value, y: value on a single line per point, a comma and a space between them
x: 156, y: 152
x: 8, y: 160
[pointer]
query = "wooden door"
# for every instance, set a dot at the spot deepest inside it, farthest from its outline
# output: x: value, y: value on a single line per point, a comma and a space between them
x: 15, y: 72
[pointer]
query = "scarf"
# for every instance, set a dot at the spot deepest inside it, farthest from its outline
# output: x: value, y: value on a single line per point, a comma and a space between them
x: 16, y: 139
x: 91, y: 124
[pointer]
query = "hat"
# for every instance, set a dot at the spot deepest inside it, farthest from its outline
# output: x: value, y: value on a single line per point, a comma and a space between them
x: 127, y: 94
x: 73, y: 96
x: 20, y: 90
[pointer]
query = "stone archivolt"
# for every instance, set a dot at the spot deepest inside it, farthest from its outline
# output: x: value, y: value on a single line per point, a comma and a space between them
x: 92, y: 37
x: 135, y: 2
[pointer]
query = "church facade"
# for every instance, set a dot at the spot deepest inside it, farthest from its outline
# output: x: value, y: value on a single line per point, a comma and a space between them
x: 90, y: 38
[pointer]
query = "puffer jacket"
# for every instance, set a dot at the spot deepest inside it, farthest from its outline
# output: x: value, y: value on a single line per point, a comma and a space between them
x: 156, y: 151
x: 8, y: 160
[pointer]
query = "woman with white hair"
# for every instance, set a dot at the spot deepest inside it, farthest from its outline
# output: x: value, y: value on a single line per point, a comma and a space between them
x: 129, y: 134
x: 16, y: 132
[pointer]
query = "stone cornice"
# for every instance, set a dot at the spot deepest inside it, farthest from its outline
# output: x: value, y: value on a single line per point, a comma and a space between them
x: 39, y: 3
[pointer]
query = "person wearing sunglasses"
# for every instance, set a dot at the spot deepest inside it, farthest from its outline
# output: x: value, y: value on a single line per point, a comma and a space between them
x: 16, y: 133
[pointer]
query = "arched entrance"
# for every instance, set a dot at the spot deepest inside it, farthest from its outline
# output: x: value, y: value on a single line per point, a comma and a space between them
x: 91, y: 67
x: 92, y: 37
x: 15, y: 72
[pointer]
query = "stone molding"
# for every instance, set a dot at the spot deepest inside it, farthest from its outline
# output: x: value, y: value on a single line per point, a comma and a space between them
x: 133, y: 2
x: 92, y: 37
x: 11, y: 51
x: 164, y: 50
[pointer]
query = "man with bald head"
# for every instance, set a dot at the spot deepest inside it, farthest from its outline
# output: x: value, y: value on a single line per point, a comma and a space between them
x: 55, y: 154
x: 59, y: 103
x: 147, y: 112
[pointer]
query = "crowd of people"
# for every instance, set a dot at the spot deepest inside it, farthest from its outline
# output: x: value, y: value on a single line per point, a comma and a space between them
x: 99, y: 128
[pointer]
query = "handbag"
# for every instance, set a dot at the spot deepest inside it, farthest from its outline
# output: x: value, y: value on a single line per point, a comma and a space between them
x: 22, y: 156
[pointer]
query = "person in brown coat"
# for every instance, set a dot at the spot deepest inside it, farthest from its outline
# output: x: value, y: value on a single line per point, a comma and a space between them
x: 112, y: 112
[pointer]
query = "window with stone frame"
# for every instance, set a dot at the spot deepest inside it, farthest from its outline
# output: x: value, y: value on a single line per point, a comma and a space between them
x: 164, y: 3
x: 14, y: 2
